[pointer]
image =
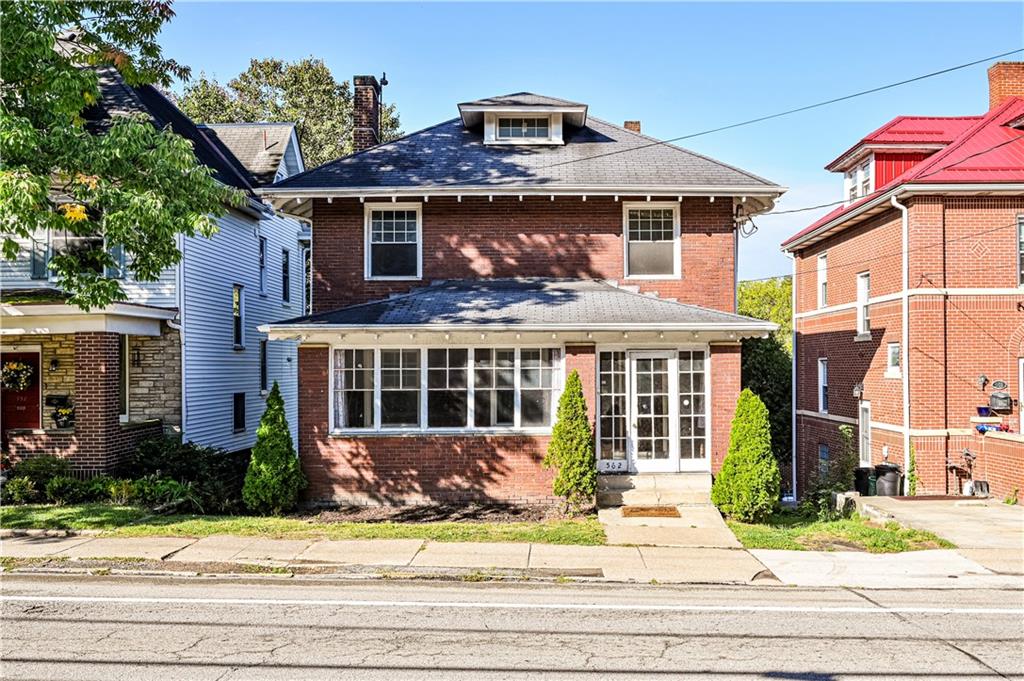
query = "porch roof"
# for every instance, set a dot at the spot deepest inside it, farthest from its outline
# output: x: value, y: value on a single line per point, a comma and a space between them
x: 525, y: 304
x: 44, y: 311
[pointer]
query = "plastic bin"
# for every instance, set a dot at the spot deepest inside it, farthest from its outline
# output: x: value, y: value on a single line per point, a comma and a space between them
x: 860, y: 480
x: 888, y: 484
x: 872, y: 484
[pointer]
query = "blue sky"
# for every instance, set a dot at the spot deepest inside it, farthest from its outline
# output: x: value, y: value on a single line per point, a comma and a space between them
x: 679, y: 68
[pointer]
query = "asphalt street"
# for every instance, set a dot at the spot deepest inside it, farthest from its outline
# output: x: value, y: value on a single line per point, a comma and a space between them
x: 77, y: 627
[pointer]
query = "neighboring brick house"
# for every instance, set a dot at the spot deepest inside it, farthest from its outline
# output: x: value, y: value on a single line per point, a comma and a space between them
x: 180, y: 354
x: 462, y: 271
x: 908, y: 301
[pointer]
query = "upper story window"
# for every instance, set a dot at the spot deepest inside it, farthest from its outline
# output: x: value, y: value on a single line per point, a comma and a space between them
x: 393, y: 245
x: 238, y: 316
x: 823, y: 280
x: 823, y: 385
x: 858, y: 182
x: 863, y: 306
x: 286, y: 275
x: 524, y: 128
x: 86, y: 248
x: 892, y: 360
x: 1020, y: 248
x: 263, y: 263
x: 652, y: 240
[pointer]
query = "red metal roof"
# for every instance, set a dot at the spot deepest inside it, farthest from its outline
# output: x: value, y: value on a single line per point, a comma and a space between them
x: 913, y: 130
x: 990, y: 150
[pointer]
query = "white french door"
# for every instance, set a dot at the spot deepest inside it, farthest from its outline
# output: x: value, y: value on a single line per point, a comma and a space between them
x: 654, y: 403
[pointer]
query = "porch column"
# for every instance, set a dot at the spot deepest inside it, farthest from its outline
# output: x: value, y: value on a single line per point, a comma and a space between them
x: 97, y: 424
x: 582, y: 359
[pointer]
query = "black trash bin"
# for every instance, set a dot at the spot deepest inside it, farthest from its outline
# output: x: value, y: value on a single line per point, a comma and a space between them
x: 888, y: 484
x: 860, y: 480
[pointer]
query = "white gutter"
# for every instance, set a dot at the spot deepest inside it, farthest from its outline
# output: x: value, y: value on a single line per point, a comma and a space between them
x: 792, y: 374
x: 905, y: 340
x: 764, y: 327
x: 511, y: 190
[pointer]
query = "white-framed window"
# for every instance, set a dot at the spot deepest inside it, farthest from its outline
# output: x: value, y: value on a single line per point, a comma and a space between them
x: 823, y: 385
x: 651, y: 239
x: 55, y: 242
x: 863, y: 307
x: 124, y: 359
x: 393, y: 241
x: 865, y: 179
x: 431, y: 389
x: 864, y: 429
x: 613, y: 379
x: 822, y: 280
x: 1020, y: 249
x: 238, y: 316
x: 520, y: 127
x: 892, y: 360
x: 851, y: 185
x: 263, y: 263
x: 692, y: 409
x: 858, y: 182
x: 286, y: 275
x: 822, y: 460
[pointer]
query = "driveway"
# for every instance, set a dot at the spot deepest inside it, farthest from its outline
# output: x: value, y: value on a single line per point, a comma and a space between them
x: 986, y: 531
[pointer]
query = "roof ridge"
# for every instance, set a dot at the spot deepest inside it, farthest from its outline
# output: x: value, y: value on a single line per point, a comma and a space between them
x: 672, y: 145
x: 240, y: 124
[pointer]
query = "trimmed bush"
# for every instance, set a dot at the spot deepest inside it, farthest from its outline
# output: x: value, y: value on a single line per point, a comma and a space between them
x: 274, y: 479
x: 747, y: 487
x: 41, y: 469
x: 19, y: 491
x: 571, y: 449
x: 62, y: 489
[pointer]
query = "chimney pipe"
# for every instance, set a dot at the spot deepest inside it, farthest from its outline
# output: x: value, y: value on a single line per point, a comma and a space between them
x: 366, y: 112
x: 1005, y: 80
x: 633, y: 126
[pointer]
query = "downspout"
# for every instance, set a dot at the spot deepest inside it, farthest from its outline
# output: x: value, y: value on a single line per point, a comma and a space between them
x: 179, y: 285
x: 792, y: 374
x: 905, y: 339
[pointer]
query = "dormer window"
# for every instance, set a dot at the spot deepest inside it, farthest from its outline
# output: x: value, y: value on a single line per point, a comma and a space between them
x: 519, y: 128
x: 858, y: 181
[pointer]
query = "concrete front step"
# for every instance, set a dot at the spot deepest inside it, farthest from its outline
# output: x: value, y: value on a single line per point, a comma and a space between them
x: 653, y: 489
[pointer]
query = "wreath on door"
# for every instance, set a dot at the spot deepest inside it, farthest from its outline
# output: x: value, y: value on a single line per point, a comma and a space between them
x: 16, y: 376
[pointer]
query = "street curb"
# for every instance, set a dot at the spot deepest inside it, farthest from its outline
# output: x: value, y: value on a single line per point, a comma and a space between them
x: 7, y: 533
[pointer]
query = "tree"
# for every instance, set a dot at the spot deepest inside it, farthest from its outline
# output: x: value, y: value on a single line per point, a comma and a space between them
x: 747, y: 487
x: 772, y: 300
x: 766, y: 366
x: 304, y: 92
x: 274, y: 479
x: 129, y: 186
x: 571, y: 449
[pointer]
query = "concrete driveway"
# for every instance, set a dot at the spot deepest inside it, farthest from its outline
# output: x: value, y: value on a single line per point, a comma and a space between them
x: 986, y: 531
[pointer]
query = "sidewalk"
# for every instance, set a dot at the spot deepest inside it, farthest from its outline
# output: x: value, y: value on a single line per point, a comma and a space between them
x: 640, y: 564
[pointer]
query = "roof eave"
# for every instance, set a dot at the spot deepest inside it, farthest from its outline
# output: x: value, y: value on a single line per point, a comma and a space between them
x: 754, y: 326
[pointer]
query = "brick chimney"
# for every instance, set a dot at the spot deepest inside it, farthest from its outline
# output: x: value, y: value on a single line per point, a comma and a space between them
x: 365, y: 112
x: 632, y: 125
x: 1005, y: 79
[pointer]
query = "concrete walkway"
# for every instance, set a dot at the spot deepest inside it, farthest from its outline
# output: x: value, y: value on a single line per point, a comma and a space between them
x: 986, y: 531
x: 641, y: 564
x: 698, y: 526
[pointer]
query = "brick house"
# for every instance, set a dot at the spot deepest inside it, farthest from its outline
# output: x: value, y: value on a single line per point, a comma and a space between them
x: 462, y: 271
x: 180, y: 354
x: 909, y: 311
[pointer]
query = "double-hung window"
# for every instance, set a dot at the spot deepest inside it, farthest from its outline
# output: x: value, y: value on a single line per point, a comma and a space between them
x: 822, y: 461
x: 823, y: 385
x: 445, y: 388
x: 238, y: 316
x: 822, y: 280
x: 523, y: 128
x: 892, y: 360
x: 863, y: 307
x: 652, y: 240
x: 865, y: 179
x: 393, y: 241
x: 286, y: 275
x: 263, y: 263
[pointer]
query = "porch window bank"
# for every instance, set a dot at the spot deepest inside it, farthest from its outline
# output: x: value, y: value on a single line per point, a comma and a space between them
x: 466, y: 389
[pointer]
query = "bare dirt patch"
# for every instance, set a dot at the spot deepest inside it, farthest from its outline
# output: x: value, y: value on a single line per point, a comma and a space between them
x: 434, y: 513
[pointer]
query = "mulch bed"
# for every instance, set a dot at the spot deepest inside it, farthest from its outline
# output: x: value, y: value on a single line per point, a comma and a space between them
x: 436, y: 513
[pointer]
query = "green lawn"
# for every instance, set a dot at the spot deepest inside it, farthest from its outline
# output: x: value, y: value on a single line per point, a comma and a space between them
x: 123, y: 521
x: 792, y: 531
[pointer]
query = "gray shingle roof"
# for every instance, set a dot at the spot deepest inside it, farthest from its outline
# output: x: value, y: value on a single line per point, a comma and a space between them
x: 449, y: 155
x: 565, y: 303
x: 521, y: 99
x: 259, y: 147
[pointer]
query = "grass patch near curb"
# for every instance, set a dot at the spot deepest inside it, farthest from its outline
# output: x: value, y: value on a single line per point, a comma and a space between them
x: 126, y: 521
x: 792, y: 531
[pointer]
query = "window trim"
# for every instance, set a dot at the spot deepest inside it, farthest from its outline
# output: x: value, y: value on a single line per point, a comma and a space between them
x: 525, y: 140
x: 368, y: 209
x: 239, y: 342
x: 864, y: 305
x: 261, y: 261
x: 864, y: 432
x: 286, y: 276
x: 893, y: 370
x: 823, y: 385
x: 423, y: 428
x: 120, y: 270
x: 823, y: 446
x: 264, y: 366
x: 677, y: 255
x: 822, y: 269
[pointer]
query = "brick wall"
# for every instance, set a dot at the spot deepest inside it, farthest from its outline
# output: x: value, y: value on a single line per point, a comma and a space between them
x: 725, y: 390
x: 535, y: 237
x: 1005, y: 79
x: 365, y: 112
